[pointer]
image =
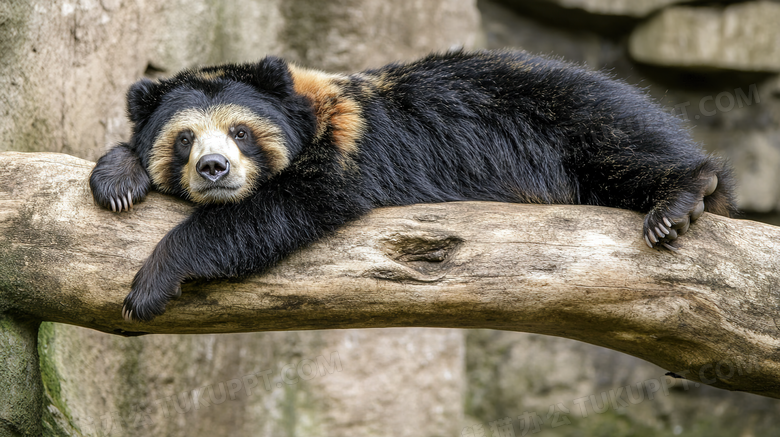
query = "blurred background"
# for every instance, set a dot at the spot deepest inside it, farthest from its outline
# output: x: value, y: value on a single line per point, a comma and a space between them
x: 64, y: 70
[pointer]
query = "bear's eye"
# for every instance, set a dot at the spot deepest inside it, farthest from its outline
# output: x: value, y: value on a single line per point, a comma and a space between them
x: 183, y: 144
x: 241, y: 134
x: 185, y: 139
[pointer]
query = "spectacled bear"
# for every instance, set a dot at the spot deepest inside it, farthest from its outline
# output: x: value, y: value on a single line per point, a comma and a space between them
x: 275, y: 156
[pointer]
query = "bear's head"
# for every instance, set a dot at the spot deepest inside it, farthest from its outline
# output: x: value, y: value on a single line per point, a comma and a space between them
x: 209, y: 135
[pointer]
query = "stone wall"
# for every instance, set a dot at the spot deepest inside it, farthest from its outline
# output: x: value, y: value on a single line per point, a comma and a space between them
x: 405, y: 382
x: 65, y: 65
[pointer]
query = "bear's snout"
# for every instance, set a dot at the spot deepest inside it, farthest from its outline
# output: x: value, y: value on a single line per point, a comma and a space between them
x: 213, y: 167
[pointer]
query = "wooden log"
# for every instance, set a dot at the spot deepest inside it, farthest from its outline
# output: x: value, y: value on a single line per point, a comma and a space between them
x: 708, y: 312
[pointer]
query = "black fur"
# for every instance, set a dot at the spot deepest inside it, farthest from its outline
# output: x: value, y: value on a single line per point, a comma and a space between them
x: 499, y: 126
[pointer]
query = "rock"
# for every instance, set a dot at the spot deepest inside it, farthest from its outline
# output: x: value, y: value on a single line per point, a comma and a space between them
x: 740, y: 36
x: 20, y: 377
x: 505, y: 27
x: 345, y: 35
x: 62, y: 75
x: 755, y: 156
x: 535, y: 383
x: 404, y: 382
x: 65, y: 66
x: 607, y: 17
x: 627, y: 8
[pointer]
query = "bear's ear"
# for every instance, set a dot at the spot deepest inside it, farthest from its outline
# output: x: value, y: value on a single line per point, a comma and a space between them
x: 271, y: 76
x: 143, y: 97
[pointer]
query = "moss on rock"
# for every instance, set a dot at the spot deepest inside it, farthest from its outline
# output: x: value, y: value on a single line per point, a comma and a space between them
x: 20, y: 380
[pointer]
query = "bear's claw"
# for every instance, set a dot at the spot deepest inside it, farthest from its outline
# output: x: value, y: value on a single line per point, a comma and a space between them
x: 122, y: 203
x: 664, y: 230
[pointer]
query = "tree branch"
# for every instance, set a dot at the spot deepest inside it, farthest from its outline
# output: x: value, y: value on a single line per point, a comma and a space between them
x: 707, y: 312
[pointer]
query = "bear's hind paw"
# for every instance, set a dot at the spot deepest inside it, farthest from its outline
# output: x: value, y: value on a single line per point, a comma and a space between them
x: 664, y: 231
x: 663, y: 226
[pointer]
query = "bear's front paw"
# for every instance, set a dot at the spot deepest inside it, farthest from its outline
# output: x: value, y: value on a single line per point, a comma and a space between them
x: 149, y: 295
x: 117, y: 200
x: 118, y: 179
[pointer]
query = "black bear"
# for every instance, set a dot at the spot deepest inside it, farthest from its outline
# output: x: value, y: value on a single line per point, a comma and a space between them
x: 276, y: 156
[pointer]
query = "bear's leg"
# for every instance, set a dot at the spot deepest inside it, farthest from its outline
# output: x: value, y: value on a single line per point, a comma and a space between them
x: 237, y: 239
x: 119, y: 179
x: 214, y: 242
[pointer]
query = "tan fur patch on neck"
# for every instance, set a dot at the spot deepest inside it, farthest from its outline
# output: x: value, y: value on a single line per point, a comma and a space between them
x: 268, y: 136
x: 332, y: 107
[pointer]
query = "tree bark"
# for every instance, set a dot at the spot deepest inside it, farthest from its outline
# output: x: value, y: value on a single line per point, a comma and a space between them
x: 707, y: 312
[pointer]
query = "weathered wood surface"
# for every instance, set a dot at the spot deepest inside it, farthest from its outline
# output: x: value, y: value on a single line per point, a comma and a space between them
x: 708, y: 312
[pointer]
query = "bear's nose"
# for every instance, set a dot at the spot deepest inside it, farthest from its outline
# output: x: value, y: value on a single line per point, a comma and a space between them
x: 213, y: 167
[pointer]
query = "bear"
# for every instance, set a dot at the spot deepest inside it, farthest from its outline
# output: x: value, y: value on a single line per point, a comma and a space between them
x: 275, y: 156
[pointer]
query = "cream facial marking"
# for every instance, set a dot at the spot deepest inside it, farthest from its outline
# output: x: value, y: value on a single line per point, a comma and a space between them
x: 213, y: 130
